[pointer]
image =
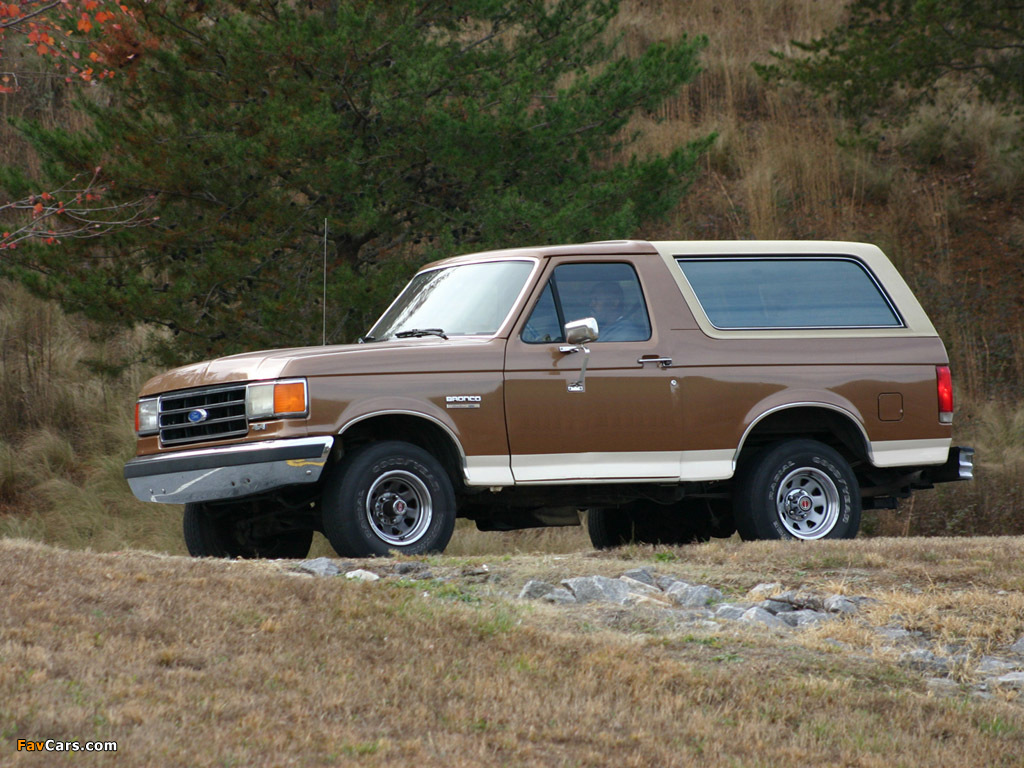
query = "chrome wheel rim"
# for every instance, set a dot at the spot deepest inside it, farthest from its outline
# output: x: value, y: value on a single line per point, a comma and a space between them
x: 399, y: 508
x: 807, y: 503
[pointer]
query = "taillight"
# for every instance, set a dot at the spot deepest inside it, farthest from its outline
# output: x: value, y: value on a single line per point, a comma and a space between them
x: 944, y: 384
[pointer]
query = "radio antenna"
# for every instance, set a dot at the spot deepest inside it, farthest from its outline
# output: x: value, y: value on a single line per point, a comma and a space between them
x: 324, y: 337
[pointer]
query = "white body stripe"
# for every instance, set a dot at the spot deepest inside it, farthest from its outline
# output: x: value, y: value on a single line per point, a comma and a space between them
x: 558, y: 468
x: 904, y: 453
x: 661, y: 466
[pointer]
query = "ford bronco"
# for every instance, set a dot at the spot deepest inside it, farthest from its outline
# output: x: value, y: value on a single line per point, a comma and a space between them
x: 665, y: 392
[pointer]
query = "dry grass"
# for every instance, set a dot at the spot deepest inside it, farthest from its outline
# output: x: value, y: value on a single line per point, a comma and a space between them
x: 188, y: 662
x: 68, y: 431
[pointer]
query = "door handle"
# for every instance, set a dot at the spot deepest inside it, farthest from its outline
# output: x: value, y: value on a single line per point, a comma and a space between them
x: 663, y: 362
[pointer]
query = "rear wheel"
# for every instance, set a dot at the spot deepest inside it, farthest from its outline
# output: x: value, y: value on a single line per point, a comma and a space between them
x: 220, y: 531
x: 609, y: 527
x: 644, y: 522
x: 387, y: 497
x: 797, y: 489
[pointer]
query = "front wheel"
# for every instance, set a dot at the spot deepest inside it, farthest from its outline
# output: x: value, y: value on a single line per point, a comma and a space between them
x: 388, y: 497
x: 797, y: 489
x: 220, y: 531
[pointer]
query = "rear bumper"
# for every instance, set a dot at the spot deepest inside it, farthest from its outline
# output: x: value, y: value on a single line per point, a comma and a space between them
x: 959, y: 466
x: 209, y: 474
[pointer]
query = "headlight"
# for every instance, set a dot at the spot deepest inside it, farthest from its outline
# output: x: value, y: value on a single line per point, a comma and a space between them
x: 275, y: 399
x: 147, y: 417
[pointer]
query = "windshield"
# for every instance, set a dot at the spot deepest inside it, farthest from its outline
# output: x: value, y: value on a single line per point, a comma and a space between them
x: 465, y: 300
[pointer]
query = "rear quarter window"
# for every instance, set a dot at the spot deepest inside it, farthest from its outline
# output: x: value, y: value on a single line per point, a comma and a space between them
x: 788, y: 292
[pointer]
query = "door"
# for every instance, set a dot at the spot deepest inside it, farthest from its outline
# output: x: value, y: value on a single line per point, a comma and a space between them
x: 623, y: 420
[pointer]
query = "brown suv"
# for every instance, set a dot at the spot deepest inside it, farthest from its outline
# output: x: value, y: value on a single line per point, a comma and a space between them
x: 673, y: 390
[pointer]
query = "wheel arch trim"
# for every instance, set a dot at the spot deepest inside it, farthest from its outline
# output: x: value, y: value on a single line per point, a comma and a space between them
x: 433, y: 420
x: 850, y: 416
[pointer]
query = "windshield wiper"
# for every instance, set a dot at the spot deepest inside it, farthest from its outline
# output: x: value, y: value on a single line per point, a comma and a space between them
x: 417, y: 332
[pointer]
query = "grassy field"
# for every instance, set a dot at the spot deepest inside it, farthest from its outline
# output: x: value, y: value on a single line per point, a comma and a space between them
x: 221, y: 663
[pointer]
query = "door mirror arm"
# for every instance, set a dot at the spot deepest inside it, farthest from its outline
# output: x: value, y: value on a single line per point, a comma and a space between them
x: 578, y: 333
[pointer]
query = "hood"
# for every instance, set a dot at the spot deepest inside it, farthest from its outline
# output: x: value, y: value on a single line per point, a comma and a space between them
x: 410, y: 356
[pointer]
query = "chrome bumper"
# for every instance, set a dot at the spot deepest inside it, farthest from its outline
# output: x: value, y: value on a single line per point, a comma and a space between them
x: 209, y: 474
x: 959, y: 466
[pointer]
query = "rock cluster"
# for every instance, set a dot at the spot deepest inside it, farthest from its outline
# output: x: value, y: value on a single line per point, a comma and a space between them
x: 768, y: 606
x: 771, y: 605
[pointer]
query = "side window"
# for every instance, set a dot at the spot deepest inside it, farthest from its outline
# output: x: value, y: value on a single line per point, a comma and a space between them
x: 543, y: 324
x: 780, y: 292
x: 608, y: 292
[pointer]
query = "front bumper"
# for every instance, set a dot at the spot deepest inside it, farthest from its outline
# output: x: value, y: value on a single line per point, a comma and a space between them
x: 227, y: 472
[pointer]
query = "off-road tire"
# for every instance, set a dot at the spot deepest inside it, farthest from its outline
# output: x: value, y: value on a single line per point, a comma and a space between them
x: 644, y: 522
x: 797, y: 489
x: 215, y: 533
x: 386, y: 497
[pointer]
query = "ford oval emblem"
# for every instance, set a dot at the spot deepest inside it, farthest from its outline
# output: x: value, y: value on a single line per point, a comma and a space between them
x: 198, y: 416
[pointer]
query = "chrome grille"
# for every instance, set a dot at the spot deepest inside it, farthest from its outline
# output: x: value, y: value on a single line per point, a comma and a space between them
x: 225, y: 415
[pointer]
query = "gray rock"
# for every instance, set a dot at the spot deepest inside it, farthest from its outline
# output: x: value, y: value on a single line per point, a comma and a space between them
x: 730, y: 612
x: 758, y: 615
x: 693, y: 596
x: 804, y: 617
x: 360, y: 574
x: 1013, y: 680
x: 924, y: 660
x: 559, y: 596
x: 840, y: 604
x: 776, y: 606
x: 405, y: 569
x: 991, y: 665
x: 641, y: 574
x: 588, y: 589
x: 657, y: 601
x: 639, y: 587
x: 1018, y: 647
x: 765, y: 590
x: 534, y: 589
x: 666, y: 582
x: 803, y: 600
x: 320, y: 566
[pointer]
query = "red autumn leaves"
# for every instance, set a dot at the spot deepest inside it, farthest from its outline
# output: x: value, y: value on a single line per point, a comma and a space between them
x: 66, y: 30
x: 80, y: 209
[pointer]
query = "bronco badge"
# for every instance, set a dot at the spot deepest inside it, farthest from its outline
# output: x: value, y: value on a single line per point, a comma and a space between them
x: 462, y: 401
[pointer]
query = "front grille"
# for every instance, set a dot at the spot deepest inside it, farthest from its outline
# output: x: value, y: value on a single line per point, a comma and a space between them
x: 225, y: 415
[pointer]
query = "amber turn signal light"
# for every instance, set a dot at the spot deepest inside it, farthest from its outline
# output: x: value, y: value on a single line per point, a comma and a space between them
x: 290, y: 397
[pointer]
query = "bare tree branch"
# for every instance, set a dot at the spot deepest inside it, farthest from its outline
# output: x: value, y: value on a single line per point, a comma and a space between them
x: 25, y: 17
x: 72, y: 212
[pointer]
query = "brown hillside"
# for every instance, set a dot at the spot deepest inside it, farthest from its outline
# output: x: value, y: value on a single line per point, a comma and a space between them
x: 942, y: 195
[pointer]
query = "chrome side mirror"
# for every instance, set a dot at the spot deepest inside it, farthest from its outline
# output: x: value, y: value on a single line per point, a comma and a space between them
x: 581, y: 331
x: 578, y: 333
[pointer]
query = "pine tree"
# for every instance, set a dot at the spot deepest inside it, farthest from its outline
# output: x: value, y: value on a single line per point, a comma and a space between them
x: 412, y: 129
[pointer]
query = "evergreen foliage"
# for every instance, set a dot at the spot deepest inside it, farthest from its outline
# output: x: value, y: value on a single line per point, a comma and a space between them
x: 904, y: 48
x: 416, y: 129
